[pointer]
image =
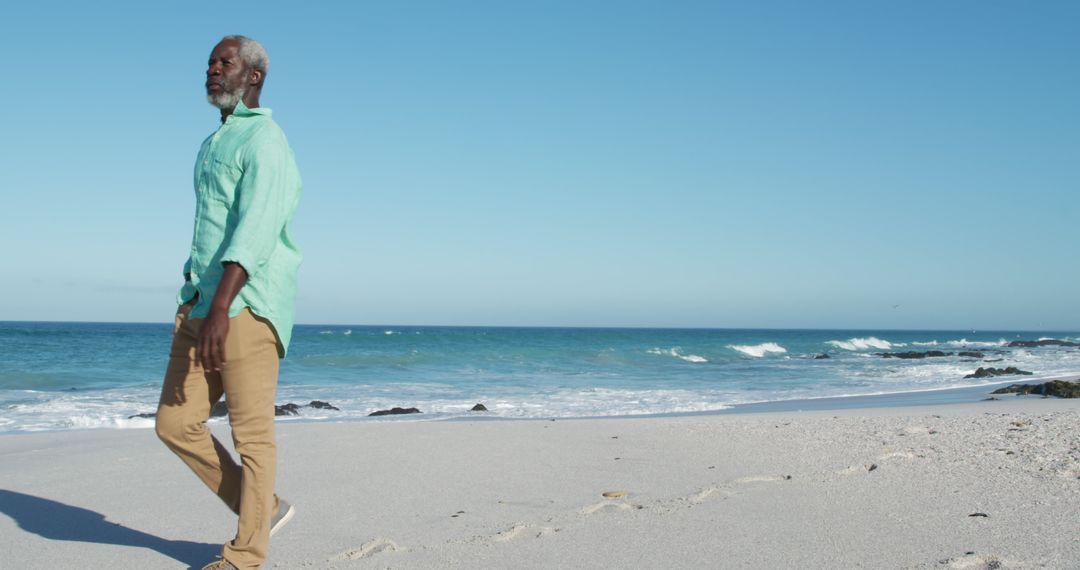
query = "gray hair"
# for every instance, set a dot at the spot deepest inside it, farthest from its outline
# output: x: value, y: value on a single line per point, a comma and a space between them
x: 252, y: 52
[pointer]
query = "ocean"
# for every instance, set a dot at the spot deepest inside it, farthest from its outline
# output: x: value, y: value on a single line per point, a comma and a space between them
x: 58, y: 376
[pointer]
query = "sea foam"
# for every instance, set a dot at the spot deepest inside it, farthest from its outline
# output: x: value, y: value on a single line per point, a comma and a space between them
x: 963, y: 343
x: 863, y: 343
x: 758, y: 350
x: 675, y: 352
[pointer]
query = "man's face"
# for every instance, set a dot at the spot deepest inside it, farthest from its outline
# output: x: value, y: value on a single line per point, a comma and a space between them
x: 226, y: 75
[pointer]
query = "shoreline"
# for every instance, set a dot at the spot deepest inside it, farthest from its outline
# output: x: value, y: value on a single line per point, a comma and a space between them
x: 913, y: 398
x: 898, y: 401
x: 892, y: 400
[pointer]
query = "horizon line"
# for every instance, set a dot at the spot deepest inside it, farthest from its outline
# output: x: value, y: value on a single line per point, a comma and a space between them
x: 597, y: 327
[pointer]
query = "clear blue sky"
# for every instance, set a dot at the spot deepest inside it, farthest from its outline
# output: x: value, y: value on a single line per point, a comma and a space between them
x: 760, y: 164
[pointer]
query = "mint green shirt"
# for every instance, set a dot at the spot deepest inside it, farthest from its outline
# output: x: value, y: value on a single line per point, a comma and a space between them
x: 247, y: 187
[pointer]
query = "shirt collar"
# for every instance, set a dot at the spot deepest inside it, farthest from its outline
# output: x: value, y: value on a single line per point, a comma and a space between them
x: 241, y: 110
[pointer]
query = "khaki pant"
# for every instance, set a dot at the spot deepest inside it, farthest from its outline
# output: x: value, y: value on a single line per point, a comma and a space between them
x: 248, y: 381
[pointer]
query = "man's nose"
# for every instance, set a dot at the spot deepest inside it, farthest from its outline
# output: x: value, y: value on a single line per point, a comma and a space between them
x: 213, y: 69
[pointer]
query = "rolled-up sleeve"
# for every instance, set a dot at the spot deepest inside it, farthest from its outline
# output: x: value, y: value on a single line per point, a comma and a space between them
x: 187, y: 292
x: 264, y: 199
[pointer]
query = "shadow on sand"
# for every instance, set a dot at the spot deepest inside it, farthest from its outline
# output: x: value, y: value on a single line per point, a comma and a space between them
x: 57, y: 521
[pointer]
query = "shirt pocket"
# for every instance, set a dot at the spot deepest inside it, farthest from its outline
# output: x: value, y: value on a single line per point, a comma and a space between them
x: 220, y: 179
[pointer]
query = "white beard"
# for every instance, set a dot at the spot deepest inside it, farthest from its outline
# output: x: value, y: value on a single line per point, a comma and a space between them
x: 226, y: 100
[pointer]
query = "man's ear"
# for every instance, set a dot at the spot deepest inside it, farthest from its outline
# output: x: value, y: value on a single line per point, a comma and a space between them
x: 256, y: 77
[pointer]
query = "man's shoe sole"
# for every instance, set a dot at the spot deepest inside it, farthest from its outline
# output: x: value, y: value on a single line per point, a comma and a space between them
x: 284, y: 520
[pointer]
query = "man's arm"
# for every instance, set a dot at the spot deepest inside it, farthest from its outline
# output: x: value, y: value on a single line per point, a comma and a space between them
x: 215, y: 327
x: 263, y: 199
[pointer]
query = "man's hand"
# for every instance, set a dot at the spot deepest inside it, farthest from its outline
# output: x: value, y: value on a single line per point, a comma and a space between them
x: 211, y: 348
x: 215, y: 327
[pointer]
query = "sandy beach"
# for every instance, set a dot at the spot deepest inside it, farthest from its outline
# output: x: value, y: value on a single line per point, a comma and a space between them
x: 992, y: 484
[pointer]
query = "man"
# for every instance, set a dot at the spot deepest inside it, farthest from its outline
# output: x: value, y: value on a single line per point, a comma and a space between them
x: 236, y: 306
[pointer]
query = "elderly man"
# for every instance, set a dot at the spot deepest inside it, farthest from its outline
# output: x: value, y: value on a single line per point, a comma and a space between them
x: 236, y: 306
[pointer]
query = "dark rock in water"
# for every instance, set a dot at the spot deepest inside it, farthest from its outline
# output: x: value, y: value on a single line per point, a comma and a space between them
x: 1062, y: 389
x: 914, y: 354
x: 219, y: 410
x: 479, y: 408
x: 822, y: 356
x: 1059, y: 388
x: 970, y: 354
x: 991, y: 371
x: 1043, y: 342
x: 395, y: 411
x: 289, y: 409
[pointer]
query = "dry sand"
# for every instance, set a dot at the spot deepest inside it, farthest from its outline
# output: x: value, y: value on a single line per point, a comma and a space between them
x: 991, y: 484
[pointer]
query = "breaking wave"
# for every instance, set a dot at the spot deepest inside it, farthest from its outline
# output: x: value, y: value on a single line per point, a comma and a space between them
x: 758, y: 350
x: 675, y: 352
x: 963, y: 343
x: 863, y: 343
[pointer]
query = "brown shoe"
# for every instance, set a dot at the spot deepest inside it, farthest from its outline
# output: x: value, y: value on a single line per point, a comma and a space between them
x: 219, y: 564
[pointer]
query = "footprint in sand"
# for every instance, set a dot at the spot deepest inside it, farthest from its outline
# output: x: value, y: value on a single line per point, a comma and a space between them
x: 1069, y: 473
x: 974, y: 561
x: 369, y: 548
x: 760, y: 479
x: 855, y: 469
x: 898, y: 455
x: 606, y: 506
x: 720, y: 492
x: 523, y: 530
x: 710, y: 493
